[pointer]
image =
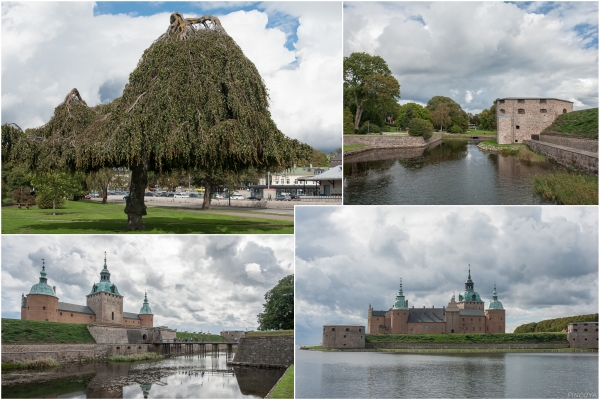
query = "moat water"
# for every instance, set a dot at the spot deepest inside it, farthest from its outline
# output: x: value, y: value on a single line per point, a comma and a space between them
x: 445, y: 375
x: 190, y: 377
x: 449, y: 172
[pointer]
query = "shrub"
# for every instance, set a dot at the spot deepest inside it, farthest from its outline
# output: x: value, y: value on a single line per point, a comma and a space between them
x: 455, y: 129
x: 44, y: 202
x: 23, y: 196
x: 369, y: 128
x: 420, y: 127
x: 348, y: 121
x: 8, y: 202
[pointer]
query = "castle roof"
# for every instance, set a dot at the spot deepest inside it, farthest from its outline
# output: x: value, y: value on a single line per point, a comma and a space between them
x: 468, y: 312
x: 42, y: 287
x: 145, y: 307
x: 105, y: 285
x: 495, y: 304
x: 534, y: 98
x: 378, y: 313
x: 74, y: 308
x: 130, y: 315
x: 469, y: 294
x: 426, y: 315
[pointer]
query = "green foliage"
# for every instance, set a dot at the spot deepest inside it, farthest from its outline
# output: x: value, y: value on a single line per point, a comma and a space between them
x: 530, y: 157
x: 409, y: 111
x: 285, y: 387
x: 279, y: 309
x: 23, y: 195
x: 8, y: 202
x: 46, y: 202
x: 348, y: 121
x: 199, y: 336
x: 556, y: 324
x: 42, y: 363
x: 99, y: 181
x: 486, y: 119
x: 285, y: 332
x: 319, y: 159
x: 353, y: 146
x: 455, y: 129
x: 16, y: 331
x: 136, y: 357
x: 94, y: 218
x: 446, y: 112
x: 14, y: 176
x: 582, y: 123
x: 471, y: 338
x: 420, y: 127
x: 369, y: 127
x: 369, y: 87
x: 568, y: 187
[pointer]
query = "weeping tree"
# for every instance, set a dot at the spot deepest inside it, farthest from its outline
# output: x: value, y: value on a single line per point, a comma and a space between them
x: 194, y: 101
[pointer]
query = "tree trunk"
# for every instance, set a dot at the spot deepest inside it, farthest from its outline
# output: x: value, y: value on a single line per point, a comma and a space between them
x: 105, y: 195
x: 359, y: 111
x: 207, y: 194
x: 53, y: 206
x: 135, y: 207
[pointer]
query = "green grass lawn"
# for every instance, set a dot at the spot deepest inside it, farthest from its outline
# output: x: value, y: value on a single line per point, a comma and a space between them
x: 207, y: 338
x: 285, y: 387
x: 289, y: 332
x: 582, y: 123
x: 16, y: 331
x: 568, y: 187
x: 479, y: 132
x: 553, y: 337
x: 94, y: 217
x: 353, y: 146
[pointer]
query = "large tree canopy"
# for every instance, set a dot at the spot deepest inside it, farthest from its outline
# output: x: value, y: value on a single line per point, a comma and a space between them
x: 368, y: 82
x: 279, y: 308
x: 194, y: 101
x: 409, y: 111
x: 449, y: 109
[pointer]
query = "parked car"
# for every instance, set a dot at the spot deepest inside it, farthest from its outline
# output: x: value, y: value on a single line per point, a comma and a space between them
x: 181, y: 195
x: 149, y: 194
x: 283, y: 198
x: 170, y: 194
x: 125, y: 197
x: 87, y: 197
x: 196, y: 195
x: 236, y: 197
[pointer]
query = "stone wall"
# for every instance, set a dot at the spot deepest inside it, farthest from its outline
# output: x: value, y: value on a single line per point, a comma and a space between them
x: 583, y: 334
x: 108, y: 307
x: 587, y: 161
x: 399, y: 345
x: 75, y: 317
x: 68, y: 352
x: 344, y: 336
x: 265, y: 351
x: 41, y: 307
x: 577, y: 143
x: 375, y: 141
x: 109, y: 334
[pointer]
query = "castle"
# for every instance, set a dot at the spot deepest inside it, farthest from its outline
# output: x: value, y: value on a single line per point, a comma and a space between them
x: 104, y: 305
x: 465, y: 316
x: 519, y: 119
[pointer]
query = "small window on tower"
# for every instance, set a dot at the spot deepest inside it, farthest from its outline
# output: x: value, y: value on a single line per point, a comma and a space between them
x: 521, y: 111
x: 44, y: 307
x: 543, y: 110
x: 542, y: 101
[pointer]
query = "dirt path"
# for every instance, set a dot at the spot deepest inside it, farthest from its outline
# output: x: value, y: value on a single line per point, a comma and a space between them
x: 239, y: 214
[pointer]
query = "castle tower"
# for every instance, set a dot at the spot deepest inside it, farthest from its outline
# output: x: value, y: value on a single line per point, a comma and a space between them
x: 145, y: 314
x: 495, y: 315
x: 105, y: 300
x: 452, y: 316
x: 399, y: 313
x: 41, y: 304
x: 470, y: 299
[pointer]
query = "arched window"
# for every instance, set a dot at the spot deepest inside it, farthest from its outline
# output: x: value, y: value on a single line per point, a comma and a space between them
x: 564, y: 110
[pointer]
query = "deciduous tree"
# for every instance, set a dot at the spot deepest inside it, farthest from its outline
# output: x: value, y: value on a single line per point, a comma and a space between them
x: 279, y: 307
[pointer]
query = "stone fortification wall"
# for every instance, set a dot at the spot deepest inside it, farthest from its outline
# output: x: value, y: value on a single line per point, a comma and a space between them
x: 583, y: 334
x: 587, y: 161
x: 75, y: 317
x: 576, y: 143
x: 68, y: 352
x: 344, y: 336
x: 376, y: 141
x: 109, y: 334
x: 267, y: 351
x: 399, y: 345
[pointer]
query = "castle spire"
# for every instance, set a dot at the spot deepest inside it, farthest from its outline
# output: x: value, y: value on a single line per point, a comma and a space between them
x: 146, y: 306
x: 105, y: 274
x: 400, y: 303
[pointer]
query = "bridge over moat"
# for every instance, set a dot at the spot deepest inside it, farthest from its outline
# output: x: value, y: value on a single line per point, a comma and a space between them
x: 177, y: 347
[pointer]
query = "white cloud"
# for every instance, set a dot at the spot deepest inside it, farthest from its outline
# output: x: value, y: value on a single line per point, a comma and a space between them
x: 498, y: 47
x: 68, y: 46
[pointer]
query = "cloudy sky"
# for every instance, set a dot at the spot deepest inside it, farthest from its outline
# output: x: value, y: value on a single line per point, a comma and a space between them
x: 544, y: 261
x: 194, y: 283
x: 48, y: 48
x: 475, y: 52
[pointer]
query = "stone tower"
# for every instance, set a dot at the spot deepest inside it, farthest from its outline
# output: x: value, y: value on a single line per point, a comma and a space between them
x: 146, y: 316
x: 41, y: 304
x: 399, y: 317
x: 470, y: 299
x: 105, y: 300
x: 494, y: 314
x: 452, y: 316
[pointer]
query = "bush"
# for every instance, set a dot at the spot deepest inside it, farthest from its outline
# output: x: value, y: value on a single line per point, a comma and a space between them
x: 23, y: 196
x: 348, y: 122
x: 369, y: 128
x: 44, y: 202
x: 420, y: 127
x: 8, y: 202
x: 455, y: 129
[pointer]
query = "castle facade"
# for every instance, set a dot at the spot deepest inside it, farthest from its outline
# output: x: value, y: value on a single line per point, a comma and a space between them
x: 104, y: 305
x: 465, y: 316
x: 519, y: 119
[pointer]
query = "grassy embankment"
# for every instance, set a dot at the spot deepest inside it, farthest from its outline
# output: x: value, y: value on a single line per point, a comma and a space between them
x: 289, y: 332
x: 479, y: 132
x: 582, y: 123
x: 353, y: 147
x: 136, y: 357
x: 285, y: 387
x: 496, y: 338
x: 16, y: 331
x: 199, y: 336
x: 556, y: 324
x: 84, y: 217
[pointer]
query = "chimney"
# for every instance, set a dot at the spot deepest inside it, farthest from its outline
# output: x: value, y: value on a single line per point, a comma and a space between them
x: 54, y: 288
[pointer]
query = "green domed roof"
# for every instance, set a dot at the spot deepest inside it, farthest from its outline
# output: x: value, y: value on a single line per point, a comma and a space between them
x: 105, y: 285
x: 400, y: 303
x: 495, y: 304
x: 469, y: 294
x: 42, y: 287
x: 146, y: 307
